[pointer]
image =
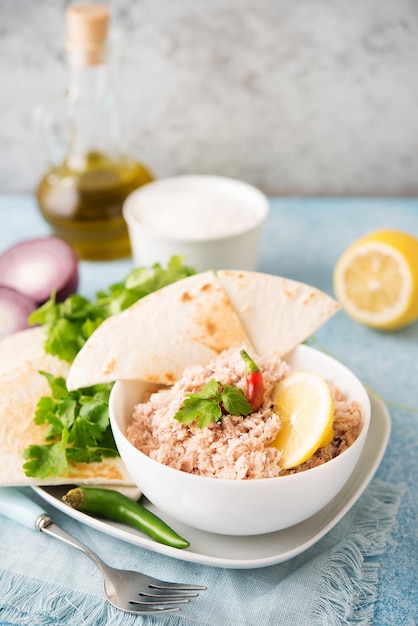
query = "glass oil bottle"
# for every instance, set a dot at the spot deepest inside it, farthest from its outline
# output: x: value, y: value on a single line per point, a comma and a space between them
x: 81, y: 195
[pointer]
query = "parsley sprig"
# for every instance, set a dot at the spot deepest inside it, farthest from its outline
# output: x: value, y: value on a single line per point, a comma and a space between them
x: 77, y: 428
x: 208, y: 404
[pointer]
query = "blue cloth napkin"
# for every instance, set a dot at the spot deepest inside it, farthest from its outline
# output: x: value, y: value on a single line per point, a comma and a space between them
x: 45, y: 583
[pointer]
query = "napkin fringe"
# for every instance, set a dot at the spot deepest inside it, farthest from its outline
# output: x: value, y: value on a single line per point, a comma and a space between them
x: 53, y: 605
x: 347, y: 591
x: 57, y: 608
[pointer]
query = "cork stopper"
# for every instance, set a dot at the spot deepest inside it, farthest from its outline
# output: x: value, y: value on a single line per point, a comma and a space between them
x: 87, y: 30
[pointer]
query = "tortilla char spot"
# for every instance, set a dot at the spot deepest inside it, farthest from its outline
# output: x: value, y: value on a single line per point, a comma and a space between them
x: 211, y: 327
x: 170, y: 377
x: 237, y: 275
x: 220, y: 348
x: 206, y: 287
x: 311, y: 296
x: 186, y: 297
x: 110, y: 366
x: 85, y: 471
x: 216, y: 326
x: 157, y: 378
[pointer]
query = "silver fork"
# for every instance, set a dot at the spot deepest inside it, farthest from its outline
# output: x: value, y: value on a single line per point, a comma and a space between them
x: 126, y: 590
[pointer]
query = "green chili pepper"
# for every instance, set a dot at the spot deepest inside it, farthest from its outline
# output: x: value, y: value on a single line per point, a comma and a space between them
x: 113, y: 505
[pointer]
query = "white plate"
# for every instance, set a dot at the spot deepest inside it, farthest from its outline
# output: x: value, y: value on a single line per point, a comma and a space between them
x: 260, y: 550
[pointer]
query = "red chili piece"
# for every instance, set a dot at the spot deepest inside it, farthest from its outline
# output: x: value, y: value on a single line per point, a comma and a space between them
x: 255, y: 383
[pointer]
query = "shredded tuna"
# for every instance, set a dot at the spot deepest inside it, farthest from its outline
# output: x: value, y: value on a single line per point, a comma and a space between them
x: 235, y: 447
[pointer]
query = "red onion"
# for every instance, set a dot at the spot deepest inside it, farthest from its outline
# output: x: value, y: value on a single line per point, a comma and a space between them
x: 15, y: 309
x: 37, y: 267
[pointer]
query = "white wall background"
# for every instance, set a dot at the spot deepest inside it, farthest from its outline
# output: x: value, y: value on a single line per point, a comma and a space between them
x: 295, y: 96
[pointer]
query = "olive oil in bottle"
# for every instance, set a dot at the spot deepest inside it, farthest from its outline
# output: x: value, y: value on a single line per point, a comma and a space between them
x: 82, y: 193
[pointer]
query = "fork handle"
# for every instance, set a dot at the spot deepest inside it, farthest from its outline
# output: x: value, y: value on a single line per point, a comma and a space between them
x: 18, y: 507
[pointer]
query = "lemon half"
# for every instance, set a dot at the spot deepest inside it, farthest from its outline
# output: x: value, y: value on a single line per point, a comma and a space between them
x: 376, y: 280
x: 304, y: 403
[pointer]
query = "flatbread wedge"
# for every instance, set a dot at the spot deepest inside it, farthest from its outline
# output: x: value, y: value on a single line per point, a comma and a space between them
x: 21, y: 357
x: 191, y: 321
x: 185, y: 323
x: 277, y: 313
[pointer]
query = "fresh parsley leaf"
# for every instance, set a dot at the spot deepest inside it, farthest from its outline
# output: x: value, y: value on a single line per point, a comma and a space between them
x: 205, y: 406
x: 204, y: 410
x: 90, y: 455
x: 69, y: 324
x: 235, y: 401
x: 90, y: 423
x: 210, y: 391
x: 45, y: 409
x: 47, y: 459
x: 57, y: 384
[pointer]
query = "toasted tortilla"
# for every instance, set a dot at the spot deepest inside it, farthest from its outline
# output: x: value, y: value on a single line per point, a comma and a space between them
x: 277, y: 313
x: 193, y: 320
x: 188, y: 322
x: 17, y: 348
x: 21, y: 357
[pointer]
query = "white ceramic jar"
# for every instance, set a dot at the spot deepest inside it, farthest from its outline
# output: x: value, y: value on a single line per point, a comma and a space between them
x: 213, y: 221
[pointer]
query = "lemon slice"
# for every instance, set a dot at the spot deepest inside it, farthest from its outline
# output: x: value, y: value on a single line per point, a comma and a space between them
x: 376, y: 280
x: 304, y: 403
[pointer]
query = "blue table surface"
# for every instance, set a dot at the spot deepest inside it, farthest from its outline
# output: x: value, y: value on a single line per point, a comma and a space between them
x: 302, y: 239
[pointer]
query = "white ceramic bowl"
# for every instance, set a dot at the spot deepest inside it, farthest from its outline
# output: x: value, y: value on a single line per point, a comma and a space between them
x: 248, y: 507
x: 213, y: 221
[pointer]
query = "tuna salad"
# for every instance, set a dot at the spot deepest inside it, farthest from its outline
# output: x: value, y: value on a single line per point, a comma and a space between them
x: 235, y: 446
